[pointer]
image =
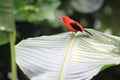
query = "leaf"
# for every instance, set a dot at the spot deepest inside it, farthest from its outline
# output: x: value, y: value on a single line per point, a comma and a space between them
x: 107, y: 66
x: 67, y: 57
x: 39, y: 11
x: 6, y: 20
x: 6, y: 15
x: 4, y: 37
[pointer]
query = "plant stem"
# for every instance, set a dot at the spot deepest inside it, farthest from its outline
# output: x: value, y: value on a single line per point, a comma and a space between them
x: 13, y: 61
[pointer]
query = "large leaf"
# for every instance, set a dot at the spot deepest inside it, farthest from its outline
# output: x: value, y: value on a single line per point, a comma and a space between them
x: 67, y: 57
x: 6, y: 20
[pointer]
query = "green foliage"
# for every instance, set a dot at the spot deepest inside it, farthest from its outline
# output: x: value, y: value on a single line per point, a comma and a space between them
x: 35, y: 11
x: 47, y: 10
x: 107, y: 66
x: 4, y: 37
x: 6, y: 20
x: 7, y: 30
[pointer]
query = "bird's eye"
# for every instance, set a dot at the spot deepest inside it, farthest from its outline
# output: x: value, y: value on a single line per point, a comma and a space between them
x: 63, y: 18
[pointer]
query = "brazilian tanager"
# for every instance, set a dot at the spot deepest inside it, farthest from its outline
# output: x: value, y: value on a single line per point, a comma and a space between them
x: 73, y: 25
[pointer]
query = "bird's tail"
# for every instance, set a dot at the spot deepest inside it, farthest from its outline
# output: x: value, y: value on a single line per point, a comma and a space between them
x: 88, y: 32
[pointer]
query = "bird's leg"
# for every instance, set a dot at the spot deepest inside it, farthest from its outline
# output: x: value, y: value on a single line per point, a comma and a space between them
x: 72, y: 34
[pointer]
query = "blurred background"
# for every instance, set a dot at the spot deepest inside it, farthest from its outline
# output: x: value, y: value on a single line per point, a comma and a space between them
x: 34, y: 18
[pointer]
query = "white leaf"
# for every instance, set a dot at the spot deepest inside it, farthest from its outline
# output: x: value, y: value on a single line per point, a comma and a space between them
x: 67, y: 57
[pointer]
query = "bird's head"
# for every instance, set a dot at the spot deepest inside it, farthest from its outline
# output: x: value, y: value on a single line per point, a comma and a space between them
x: 65, y: 18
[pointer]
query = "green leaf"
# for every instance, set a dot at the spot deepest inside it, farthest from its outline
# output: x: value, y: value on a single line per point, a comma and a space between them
x: 41, y: 10
x: 107, y: 66
x: 6, y: 20
x: 67, y: 57
x: 4, y: 37
x: 6, y: 15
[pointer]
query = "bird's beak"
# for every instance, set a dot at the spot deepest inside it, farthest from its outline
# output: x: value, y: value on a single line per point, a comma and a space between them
x: 60, y: 18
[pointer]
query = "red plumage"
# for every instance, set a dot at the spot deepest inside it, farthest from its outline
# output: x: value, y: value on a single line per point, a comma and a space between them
x: 73, y: 25
x: 67, y: 22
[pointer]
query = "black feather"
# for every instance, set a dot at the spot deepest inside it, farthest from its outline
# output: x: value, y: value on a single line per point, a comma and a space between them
x: 74, y: 26
x: 88, y: 32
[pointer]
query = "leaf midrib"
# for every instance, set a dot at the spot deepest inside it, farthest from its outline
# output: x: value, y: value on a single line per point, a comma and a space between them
x: 70, y: 45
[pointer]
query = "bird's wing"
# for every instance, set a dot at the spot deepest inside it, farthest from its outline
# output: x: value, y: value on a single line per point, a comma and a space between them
x: 75, y: 26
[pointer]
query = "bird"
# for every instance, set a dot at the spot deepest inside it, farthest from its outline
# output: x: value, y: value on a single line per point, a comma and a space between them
x: 73, y: 25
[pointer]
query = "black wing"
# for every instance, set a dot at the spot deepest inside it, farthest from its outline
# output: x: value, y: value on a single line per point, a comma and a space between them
x: 88, y: 32
x: 74, y: 26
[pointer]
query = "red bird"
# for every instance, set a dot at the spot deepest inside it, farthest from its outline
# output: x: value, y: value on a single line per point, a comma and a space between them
x: 73, y: 25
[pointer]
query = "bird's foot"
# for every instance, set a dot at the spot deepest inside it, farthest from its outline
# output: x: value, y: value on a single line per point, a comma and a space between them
x: 72, y: 34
